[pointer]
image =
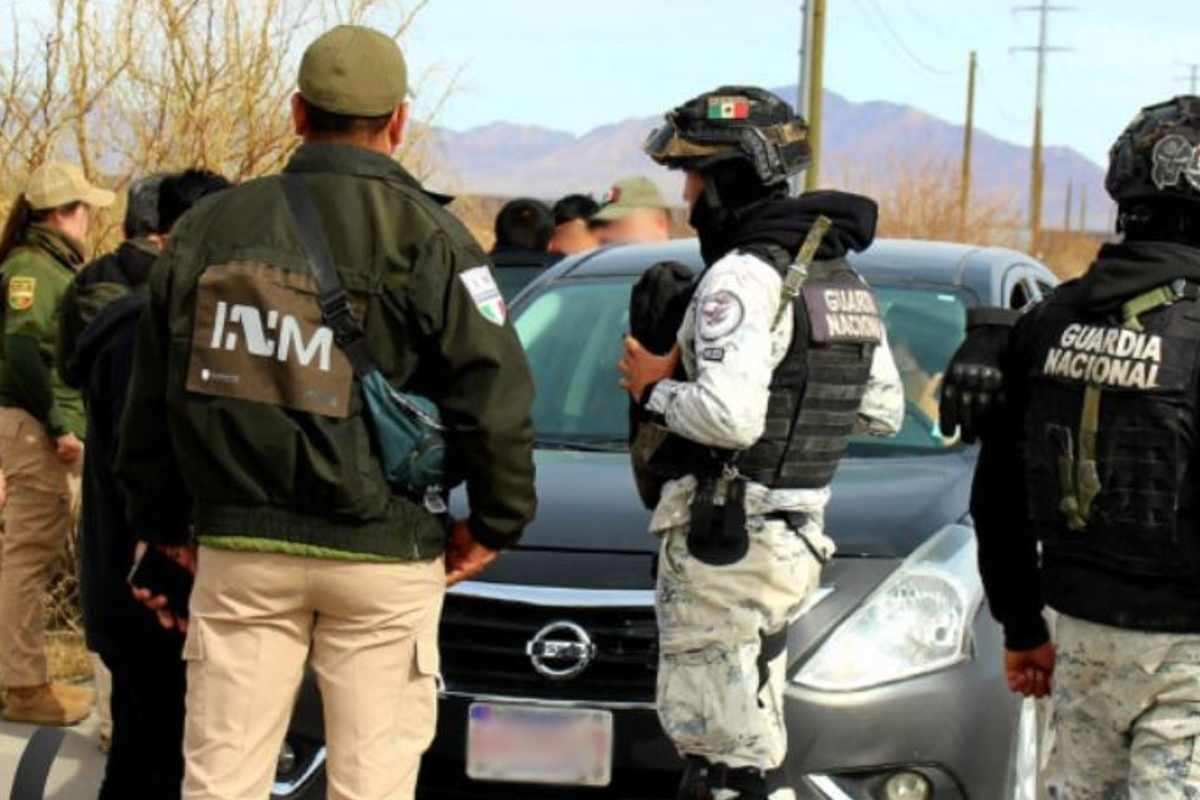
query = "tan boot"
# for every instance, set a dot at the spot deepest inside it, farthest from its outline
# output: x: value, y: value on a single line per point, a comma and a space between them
x: 75, y: 693
x: 48, y: 704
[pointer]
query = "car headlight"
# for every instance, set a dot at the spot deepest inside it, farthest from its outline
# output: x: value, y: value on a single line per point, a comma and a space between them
x: 918, y: 621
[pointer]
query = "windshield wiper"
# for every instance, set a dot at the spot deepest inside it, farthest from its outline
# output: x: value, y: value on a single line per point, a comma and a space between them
x: 583, y: 445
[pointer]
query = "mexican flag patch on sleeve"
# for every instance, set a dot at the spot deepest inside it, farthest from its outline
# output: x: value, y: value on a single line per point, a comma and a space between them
x: 21, y: 291
x: 485, y: 294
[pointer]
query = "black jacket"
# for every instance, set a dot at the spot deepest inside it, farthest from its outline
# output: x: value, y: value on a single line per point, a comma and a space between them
x: 1020, y: 581
x: 101, y: 320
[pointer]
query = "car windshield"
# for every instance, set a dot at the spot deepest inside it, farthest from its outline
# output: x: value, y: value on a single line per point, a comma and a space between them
x: 572, y: 333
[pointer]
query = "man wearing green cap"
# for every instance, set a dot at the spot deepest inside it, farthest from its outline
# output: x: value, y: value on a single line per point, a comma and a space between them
x: 633, y: 212
x: 269, y: 465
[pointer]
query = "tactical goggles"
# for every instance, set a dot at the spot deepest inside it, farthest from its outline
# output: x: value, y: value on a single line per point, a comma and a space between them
x: 775, y: 152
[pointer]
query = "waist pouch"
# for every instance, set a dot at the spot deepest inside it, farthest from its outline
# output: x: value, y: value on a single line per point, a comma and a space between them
x: 407, y: 428
x: 409, y: 434
x: 718, y: 535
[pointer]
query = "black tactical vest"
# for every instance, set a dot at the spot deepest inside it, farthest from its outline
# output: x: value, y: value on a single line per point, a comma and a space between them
x: 817, y: 389
x: 1110, y: 434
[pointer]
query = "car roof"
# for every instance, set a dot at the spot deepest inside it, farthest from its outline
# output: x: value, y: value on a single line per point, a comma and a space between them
x: 887, y: 261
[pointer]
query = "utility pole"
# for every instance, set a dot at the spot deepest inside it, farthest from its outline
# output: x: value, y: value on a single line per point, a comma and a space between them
x: 1037, y: 167
x: 816, y: 85
x: 1083, y: 224
x: 1070, y: 207
x: 802, y: 93
x: 964, y: 197
x: 1193, y: 77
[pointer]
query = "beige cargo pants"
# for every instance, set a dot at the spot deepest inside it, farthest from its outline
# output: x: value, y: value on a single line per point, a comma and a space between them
x: 370, y: 633
x: 1124, y: 715
x: 712, y: 699
x: 42, y: 508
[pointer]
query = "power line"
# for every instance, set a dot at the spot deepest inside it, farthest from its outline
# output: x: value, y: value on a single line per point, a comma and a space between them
x: 913, y: 11
x: 899, y: 41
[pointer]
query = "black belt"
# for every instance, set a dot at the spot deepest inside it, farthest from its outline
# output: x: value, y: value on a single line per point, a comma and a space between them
x: 796, y: 520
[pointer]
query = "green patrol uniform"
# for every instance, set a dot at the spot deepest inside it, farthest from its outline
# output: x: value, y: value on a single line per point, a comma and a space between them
x: 35, y: 278
x: 275, y: 454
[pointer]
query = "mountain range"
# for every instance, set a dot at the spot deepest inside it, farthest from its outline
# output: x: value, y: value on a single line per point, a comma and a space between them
x: 871, y: 143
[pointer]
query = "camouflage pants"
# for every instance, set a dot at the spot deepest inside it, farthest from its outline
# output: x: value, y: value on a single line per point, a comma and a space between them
x: 1125, y: 715
x: 712, y: 700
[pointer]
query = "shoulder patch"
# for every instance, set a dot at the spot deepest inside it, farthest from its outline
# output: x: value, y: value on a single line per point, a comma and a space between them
x: 721, y: 314
x: 485, y: 294
x: 21, y: 291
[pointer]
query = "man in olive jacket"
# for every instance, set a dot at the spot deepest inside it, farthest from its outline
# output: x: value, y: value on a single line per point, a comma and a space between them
x: 244, y: 432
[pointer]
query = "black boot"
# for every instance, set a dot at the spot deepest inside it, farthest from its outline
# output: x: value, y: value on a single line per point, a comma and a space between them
x: 702, y: 777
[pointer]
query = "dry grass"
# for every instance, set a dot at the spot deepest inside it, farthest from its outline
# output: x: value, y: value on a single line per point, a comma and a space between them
x: 68, y: 656
x: 1069, y: 254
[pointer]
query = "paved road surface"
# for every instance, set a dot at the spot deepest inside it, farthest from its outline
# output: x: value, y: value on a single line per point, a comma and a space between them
x: 77, y: 770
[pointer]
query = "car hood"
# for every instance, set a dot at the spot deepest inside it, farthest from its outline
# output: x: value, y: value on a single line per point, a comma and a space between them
x: 880, y: 506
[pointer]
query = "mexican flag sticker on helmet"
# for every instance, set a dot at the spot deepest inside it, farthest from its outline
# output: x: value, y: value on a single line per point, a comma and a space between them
x: 728, y: 108
x: 485, y: 294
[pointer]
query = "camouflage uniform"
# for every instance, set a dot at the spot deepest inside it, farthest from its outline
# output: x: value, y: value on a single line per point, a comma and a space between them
x: 1125, y: 715
x: 713, y: 700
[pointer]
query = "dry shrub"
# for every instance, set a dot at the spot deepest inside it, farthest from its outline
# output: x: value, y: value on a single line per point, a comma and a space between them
x: 1069, y: 254
x: 478, y: 214
x: 132, y: 87
x: 921, y: 201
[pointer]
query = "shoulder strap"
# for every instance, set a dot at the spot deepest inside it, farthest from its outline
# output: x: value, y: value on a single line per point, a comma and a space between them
x: 335, y: 305
x: 1156, y: 298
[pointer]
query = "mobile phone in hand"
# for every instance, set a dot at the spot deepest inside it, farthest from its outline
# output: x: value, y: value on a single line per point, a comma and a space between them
x: 161, y: 575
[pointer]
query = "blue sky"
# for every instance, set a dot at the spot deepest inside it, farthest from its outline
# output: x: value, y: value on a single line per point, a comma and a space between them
x: 572, y: 65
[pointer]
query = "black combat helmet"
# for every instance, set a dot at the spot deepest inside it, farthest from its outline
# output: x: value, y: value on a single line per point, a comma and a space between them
x: 1158, y: 155
x: 734, y: 123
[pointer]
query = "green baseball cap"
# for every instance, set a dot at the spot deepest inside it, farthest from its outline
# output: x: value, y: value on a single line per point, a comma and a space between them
x: 626, y: 196
x: 354, y: 71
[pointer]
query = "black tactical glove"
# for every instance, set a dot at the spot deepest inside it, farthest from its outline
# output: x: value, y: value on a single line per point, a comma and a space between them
x: 973, y: 387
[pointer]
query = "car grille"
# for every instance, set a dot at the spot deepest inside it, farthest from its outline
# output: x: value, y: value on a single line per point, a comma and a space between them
x: 484, y: 643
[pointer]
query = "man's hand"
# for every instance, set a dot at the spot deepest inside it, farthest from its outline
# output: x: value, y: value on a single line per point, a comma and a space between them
x: 465, y: 557
x: 1030, y: 672
x: 68, y: 448
x: 641, y: 368
x: 187, y: 558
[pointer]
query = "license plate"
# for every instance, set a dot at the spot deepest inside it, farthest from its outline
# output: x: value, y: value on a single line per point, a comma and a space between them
x: 523, y: 744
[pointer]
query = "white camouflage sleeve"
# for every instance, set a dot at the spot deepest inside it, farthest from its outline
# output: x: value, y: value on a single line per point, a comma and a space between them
x: 725, y: 403
x: 882, y: 410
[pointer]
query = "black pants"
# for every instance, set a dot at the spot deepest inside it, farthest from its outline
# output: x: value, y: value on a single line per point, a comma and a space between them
x: 149, y: 682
